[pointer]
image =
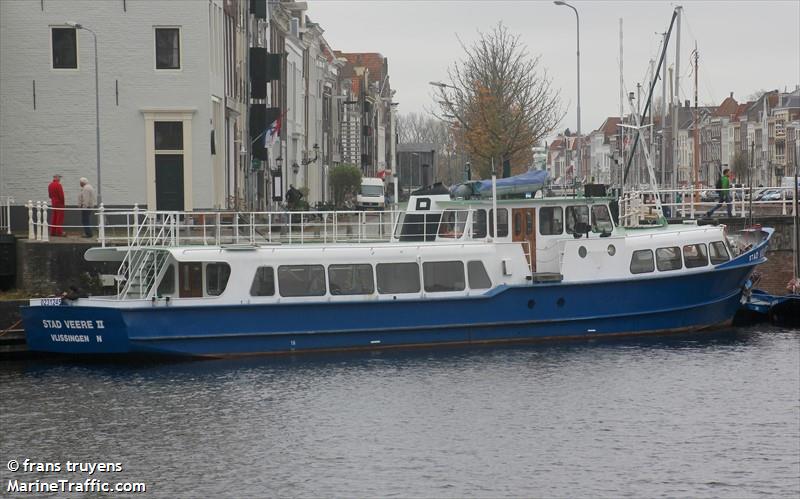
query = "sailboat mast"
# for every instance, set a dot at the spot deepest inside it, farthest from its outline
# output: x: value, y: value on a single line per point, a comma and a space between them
x: 676, y: 99
x: 696, y: 158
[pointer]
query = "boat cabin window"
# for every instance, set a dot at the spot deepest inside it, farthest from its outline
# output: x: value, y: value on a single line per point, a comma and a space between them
x: 167, y: 284
x: 478, y: 278
x: 443, y: 276
x: 502, y: 222
x: 601, y: 219
x: 353, y: 279
x: 576, y: 215
x: 453, y: 223
x: 551, y: 220
x: 396, y: 278
x: 695, y: 255
x: 479, y: 224
x: 217, y: 275
x: 301, y: 280
x: 191, y: 279
x: 718, y: 253
x: 263, y: 282
x: 642, y: 262
x: 418, y: 226
x: 668, y: 258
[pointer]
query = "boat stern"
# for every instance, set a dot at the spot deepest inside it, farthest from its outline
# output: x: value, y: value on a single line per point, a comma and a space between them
x: 56, y: 327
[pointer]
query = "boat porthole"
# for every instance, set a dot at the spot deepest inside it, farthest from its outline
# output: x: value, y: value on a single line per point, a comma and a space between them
x: 560, y: 302
x: 531, y: 303
x: 582, y: 251
x: 612, y: 250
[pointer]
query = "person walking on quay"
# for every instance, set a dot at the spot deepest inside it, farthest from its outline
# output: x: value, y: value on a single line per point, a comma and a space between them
x: 86, y: 200
x: 56, y: 193
x: 724, y: 191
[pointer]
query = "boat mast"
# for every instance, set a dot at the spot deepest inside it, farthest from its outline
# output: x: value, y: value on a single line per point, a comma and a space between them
x: 676, y: 99
x: 696, y: 162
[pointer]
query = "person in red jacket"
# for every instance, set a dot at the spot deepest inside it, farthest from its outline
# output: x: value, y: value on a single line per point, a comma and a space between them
x: 56, y: 193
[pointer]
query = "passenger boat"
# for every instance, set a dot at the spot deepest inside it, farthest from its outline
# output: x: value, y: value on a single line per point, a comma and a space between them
x: 445, y: 271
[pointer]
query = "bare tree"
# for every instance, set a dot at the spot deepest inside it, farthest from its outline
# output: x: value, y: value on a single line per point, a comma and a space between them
x: 444, y: 135
x: 502, y: 98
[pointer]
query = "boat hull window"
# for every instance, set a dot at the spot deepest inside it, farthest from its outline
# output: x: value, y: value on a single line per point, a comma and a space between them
x: 601, y: 219
x: 301, y: 280
x: 576, y: 215
x: 396, y: 278
x: 642, y: 262
x: 695, y: 255
x: 502, y: 222
x: 191, y: 279
x: 718, y: 253
x: 356, y: 279
x: 668, y: 258
x: 167, y: 284
x: 217, y: 275
x: 478, y: 278
x: 443, y: 276
x: 551, y: 220
x: 263, y: 282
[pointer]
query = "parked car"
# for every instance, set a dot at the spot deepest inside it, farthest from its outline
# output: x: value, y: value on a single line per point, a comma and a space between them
x: 709, y: 195
x: 769, y: 195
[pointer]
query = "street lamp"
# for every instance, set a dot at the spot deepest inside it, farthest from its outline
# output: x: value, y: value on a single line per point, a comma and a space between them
x: 96, y: 106
x: 308, y: 161
x: 578, y: 30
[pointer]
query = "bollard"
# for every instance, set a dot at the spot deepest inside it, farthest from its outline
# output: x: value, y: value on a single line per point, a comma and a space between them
x: 45, y: 226
x: 101, y: 222
x: 31, y: 226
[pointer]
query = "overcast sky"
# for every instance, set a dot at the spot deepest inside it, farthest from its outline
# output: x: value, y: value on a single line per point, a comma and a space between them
x: 744, y: 46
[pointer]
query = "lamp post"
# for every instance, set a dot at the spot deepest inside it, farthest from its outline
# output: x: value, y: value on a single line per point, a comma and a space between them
x: 578, y: 30
x: 96, y: 106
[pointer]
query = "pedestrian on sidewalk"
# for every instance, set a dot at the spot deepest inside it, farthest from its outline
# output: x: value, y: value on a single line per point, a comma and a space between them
x: 56, y: 193
x: 724, y: 191
x: 87, y: 201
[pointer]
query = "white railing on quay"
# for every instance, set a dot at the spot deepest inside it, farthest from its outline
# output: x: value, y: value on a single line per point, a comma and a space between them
x: 5, y: 214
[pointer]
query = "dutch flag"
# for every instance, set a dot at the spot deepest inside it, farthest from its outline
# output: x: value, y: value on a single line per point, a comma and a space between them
x: 272, y: 132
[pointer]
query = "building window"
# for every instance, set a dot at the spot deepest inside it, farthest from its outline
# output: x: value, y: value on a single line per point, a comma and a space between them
x: 551, y: 220
x: 478, y: 278
x: 443, y: 276
x: 695, y: 255
x: 719, y: 253
x: 65, y: 48
x: 355, y: 279
x: 301, y: 280
x: 168, y: 48
x: 217, y: 275
x: 642, y: 262
x: 168, y: 135
x: 395, y: 278
x: 263, y: 282
x: 668, y: 258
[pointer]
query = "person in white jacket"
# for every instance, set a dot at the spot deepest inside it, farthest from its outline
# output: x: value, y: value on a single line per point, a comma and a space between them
x: 87, y: 201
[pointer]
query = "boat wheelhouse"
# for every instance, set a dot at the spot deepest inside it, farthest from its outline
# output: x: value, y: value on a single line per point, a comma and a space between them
x: 438, y: 273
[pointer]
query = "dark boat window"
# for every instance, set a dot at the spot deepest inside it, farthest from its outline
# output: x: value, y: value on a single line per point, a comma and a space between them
x: 167, y: 284
x: 301, y: 280
x: 695, y: 255
x: 642, y: 262
x: 263, y: 282
x: 575, y: 215
x: 718, y: 253
x: 191, y: 279
x: 502, y: 222
x: 479, y: 224
x: 601, y: 219
x: 217, y: 275
x: 668, y: 258
x: 419, y: 226
x: 478, y: 278
x: 517, y: 223
x: 551, y: 220
x: 528, y: 223
x: 396, y: 278
x: 355, y: 279
x: 453, y: 223
x: 443, y: 276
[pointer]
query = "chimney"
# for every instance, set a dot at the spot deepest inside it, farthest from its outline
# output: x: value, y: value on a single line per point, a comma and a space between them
x: 731, y: 95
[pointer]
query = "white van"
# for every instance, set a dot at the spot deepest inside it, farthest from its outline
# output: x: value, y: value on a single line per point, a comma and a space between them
x: 370, y: 197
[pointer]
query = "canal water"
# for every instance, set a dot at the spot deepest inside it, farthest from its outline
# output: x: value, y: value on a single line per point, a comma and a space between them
x: 713, y: 415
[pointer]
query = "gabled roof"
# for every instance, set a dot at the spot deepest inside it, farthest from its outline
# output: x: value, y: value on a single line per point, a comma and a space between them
x: 727, y: 108
x: 373, y: 62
